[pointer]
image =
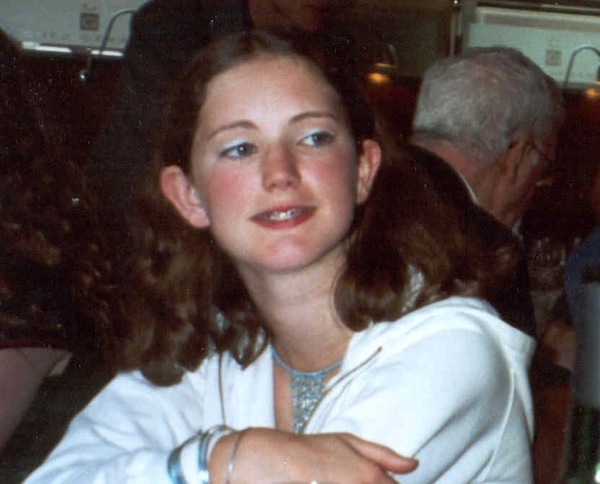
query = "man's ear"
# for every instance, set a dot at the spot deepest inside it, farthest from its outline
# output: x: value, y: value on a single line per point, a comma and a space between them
x: 177, y: 187
x: 519, y: 156
x: 369, y: 160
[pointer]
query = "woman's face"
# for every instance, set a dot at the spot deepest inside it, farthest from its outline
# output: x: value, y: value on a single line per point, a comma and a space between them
x: 274, y: 169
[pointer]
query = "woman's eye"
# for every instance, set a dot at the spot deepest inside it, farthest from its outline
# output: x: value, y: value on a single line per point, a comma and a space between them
x: 238, y: 150
x: 317, y: 138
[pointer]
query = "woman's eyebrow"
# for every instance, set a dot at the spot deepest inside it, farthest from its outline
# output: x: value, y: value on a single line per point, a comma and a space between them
x: 236, y: 124
x: 246, y: 124
x: 313, y: 114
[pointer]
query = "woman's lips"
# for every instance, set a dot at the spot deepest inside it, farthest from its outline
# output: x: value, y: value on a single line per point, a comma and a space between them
x: 284, y: 218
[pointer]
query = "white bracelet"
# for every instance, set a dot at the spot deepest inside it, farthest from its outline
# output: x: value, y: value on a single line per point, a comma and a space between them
x: 207, y: 441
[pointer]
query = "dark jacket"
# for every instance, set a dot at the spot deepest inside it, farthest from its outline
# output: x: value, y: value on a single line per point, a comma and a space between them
x: 513, y: 301
x: 164, y: 35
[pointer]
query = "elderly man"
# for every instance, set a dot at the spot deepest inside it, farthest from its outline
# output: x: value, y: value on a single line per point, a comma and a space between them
x: 487, y: 121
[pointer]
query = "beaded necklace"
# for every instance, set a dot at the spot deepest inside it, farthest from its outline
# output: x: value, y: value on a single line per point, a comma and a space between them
x: 307, y: 389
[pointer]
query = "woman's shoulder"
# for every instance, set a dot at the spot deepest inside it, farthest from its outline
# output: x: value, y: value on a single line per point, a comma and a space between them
x: 461, y: 312
x: 130, y: 389
x: 450, y: 313
x: 445, y: 319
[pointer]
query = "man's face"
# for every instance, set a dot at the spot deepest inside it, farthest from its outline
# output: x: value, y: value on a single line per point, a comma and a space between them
x: 305, y: 15
x: 525, y: 164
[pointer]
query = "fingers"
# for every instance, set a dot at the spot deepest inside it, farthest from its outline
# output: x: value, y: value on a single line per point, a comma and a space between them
x: 381, y: 455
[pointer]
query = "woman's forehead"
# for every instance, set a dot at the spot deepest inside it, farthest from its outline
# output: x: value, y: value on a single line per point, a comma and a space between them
x: 277, y: 65
x: 261, y: 82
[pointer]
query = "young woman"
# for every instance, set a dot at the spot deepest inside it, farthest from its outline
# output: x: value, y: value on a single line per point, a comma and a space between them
x: 294, y: 316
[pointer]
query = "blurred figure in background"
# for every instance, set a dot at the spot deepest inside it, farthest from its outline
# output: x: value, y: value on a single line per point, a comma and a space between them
x: 488, y: 120
x: 559, y: 337
x: 587, y: 253
x: 51, y: 261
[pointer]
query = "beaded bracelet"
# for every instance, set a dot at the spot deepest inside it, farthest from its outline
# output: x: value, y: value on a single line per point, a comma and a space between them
x: 206, y: 442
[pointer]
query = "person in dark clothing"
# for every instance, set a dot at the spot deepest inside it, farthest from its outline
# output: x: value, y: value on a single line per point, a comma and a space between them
x: 164, y: 36
x: 489, y: 120
x: 512, y: 300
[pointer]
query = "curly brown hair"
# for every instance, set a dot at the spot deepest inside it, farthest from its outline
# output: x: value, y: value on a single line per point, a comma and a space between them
x: 53, y: 272
x: 185, y: 299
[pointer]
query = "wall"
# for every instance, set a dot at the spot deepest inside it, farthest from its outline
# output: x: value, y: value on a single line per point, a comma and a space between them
x: 420, y: 31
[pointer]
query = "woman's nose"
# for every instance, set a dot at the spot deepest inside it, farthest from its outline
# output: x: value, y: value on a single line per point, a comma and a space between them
x: 280, y: 168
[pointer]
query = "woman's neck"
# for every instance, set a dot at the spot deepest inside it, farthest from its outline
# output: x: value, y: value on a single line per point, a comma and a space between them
x: 311, y: 340
x: 299, y: 310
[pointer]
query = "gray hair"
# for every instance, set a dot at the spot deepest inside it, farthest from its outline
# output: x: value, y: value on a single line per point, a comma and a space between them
x: 481, y: 100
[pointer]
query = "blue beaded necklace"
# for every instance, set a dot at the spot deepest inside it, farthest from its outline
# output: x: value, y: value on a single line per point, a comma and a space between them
x: 307, y: 389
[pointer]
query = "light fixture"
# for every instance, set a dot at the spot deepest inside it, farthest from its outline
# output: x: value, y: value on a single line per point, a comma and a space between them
x: 38, y: 47
x: 86, y: 73
x: 572, y: 60
x: 385, y: 72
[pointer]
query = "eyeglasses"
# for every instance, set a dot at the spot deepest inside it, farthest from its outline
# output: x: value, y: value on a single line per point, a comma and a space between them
x: 546, y: 178
x: 545, y: 156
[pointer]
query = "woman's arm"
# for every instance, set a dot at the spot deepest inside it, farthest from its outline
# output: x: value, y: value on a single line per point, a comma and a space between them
x: 450, y: 398
x: 22, y: 371
x: 127, y: 433
x: 304, y: 458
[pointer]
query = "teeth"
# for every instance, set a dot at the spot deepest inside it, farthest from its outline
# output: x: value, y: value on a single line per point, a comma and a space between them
x: 284, y: 215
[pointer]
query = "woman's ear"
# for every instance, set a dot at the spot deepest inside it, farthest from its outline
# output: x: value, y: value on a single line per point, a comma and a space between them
x: 369, y: 160
x: 177, y: 187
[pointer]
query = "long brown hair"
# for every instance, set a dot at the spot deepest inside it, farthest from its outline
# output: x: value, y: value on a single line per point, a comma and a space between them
x: 185, y: 299
x: 410, y: 247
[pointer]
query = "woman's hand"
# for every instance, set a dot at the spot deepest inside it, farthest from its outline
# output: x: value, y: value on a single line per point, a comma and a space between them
x: 266, y: 455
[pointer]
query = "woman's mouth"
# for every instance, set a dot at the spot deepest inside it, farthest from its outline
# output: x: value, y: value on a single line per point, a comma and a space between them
x: 283, y: 215
x: 293, y: 216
